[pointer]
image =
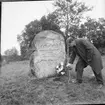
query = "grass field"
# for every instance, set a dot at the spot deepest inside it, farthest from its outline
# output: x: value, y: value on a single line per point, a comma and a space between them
x: 17, y: 88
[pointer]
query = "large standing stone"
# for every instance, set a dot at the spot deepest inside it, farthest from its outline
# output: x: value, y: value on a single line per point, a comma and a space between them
x: 49, y: 52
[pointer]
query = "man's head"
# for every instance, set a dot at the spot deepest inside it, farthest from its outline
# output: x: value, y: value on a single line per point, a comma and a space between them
x: 71, y: 42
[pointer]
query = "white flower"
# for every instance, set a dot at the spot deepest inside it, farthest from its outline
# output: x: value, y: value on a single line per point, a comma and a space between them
x: 59, y: 67
x: 62, y: 73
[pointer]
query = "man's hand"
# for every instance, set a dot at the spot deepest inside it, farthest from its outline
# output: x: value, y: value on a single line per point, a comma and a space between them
x: 69, y: 66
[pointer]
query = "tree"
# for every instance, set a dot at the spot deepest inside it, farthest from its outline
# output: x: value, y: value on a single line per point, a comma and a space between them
x: 50, y: 23
x: 34, y: 27
x: 54, y: 21
x: 95, y: 31
x: 29, y: 32
x: 69, y: 13
x: 11, y: 55
x: 27, y: 36
x: 11, y: 52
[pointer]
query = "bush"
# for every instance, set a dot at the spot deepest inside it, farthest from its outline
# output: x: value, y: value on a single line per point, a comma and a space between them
x: 102, y: 51
x: 11, y: 58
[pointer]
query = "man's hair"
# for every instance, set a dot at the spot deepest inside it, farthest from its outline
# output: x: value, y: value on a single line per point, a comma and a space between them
x: 69, y: 40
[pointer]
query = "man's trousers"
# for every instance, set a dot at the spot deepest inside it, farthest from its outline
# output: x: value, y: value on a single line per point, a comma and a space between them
x: 81, y: 64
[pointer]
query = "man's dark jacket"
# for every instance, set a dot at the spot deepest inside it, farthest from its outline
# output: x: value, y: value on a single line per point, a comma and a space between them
x: 89, y: 53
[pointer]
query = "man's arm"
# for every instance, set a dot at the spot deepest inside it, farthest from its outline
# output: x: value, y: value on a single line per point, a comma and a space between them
x: 72, y: 57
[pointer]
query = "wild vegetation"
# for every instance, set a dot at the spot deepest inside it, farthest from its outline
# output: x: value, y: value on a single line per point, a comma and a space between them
x: 68, y: 15
x: 18, y: 88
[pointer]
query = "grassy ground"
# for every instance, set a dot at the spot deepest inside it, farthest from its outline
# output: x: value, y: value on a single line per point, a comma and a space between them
x: 17, y: 88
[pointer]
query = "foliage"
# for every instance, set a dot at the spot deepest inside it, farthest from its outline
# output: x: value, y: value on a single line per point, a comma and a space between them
x: 102, y: 50
x: 27, y: 36
x: 95, y: 31
x: 53, y: 21
x: 34, y: 27
x: 70, y: 13
x: 23, y: 52
x: 11, y: 55
x: 11, y: 52
x: 92, y: 29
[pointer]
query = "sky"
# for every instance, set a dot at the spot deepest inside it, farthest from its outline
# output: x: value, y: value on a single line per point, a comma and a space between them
x: 15, y: 15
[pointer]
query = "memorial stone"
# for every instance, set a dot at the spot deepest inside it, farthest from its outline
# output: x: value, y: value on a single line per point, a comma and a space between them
x: 49, y: 52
